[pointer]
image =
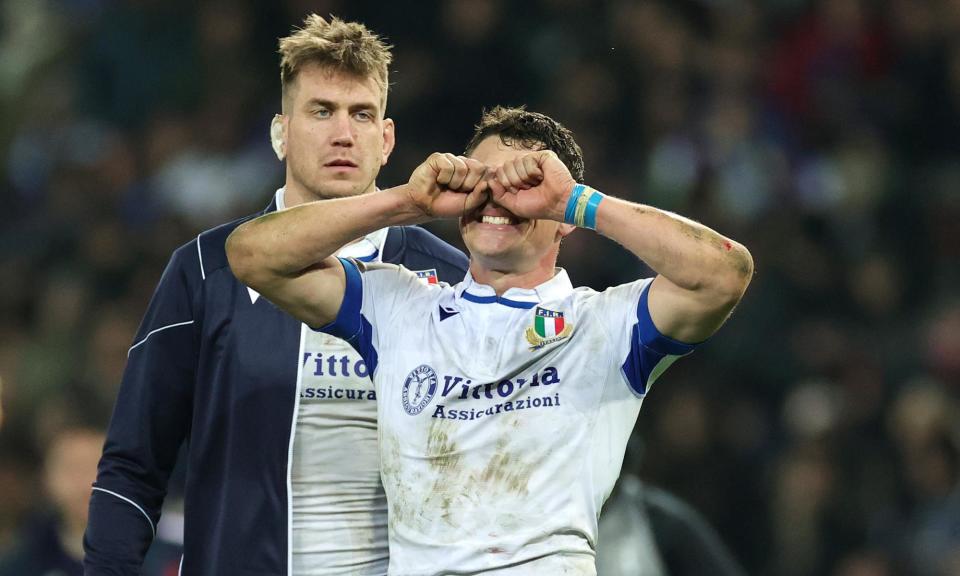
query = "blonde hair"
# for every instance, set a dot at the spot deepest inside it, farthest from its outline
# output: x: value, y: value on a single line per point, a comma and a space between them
x: 343, y: 46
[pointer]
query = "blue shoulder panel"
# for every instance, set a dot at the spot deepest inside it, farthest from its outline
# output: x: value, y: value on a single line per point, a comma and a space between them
x: 350, y: 325
x: 648, y: 347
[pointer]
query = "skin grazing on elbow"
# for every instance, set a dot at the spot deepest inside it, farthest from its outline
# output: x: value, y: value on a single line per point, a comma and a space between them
x: 730, y: 275
x: 724, y: 285
x: 743, y: 264
x: 741, y: 268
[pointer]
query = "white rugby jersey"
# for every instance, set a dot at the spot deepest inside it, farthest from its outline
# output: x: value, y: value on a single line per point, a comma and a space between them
x: 339, y: 510
x: 503, y: 420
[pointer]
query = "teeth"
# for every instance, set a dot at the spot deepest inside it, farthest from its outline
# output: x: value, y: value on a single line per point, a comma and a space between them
x: 495, y: 220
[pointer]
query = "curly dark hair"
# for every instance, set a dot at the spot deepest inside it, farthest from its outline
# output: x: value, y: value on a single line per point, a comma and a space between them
x: 530, y: 130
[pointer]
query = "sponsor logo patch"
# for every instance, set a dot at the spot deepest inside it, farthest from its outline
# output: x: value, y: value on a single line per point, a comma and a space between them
x: 418, y: 389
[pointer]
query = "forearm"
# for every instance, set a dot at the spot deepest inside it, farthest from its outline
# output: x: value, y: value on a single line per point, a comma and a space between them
x: 117, y: 537
x: 689, y: 254
x: 701, y: 275
x: 284, y: 244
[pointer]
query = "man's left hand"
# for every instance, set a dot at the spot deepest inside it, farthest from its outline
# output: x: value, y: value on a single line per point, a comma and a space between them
x: 536, y: 185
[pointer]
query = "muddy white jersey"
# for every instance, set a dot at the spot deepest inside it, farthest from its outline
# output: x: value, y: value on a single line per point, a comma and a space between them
x: 503, y: 419
x: 339, y: 510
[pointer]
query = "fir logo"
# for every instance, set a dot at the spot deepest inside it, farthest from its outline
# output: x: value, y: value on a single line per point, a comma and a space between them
x: 418, y: 389
x: 428, y: 276
x: 548, y: 327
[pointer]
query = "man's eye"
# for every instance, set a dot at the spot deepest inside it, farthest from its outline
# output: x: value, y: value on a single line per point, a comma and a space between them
x: 322, y: 112
x: 363, y: 116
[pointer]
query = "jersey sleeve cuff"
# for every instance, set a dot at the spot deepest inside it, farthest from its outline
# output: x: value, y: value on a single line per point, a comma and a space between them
x: 347, y: 325
x: 652, y: 338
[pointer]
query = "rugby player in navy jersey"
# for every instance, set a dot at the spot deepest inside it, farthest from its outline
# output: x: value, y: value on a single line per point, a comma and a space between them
x: 279, y: 421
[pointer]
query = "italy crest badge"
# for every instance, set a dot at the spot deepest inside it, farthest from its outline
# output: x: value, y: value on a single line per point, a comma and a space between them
x: 548, y: 327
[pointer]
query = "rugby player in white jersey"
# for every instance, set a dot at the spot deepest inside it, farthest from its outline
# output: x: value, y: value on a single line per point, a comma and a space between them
x: 504, y: 402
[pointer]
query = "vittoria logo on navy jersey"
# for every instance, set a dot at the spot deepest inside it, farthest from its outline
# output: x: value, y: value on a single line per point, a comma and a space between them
x: 428, y: 276
x: 548, y: 327
x: 418, y: 389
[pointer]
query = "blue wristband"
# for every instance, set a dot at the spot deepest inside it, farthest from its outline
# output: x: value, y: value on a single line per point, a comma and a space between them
x: 590, y: 216
x: 582, y: 206
x: 569, y: 214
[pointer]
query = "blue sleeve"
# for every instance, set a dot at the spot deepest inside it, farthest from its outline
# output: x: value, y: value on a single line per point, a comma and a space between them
x: 650, y: 351
x: 351, y: 325
x: 149, y: 423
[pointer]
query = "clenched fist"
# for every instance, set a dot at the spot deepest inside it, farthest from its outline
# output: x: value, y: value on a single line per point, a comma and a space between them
x: 447, y: 186
x: 535, y: 185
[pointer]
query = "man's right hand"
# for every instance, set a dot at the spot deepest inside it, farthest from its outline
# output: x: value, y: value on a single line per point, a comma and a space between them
x: 447, y: 186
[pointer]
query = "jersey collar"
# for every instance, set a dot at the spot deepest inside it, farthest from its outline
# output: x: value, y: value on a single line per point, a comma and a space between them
x: 553, y: 289
x: 367, y: 249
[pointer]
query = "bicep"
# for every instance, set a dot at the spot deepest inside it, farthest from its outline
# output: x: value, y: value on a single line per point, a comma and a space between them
x: 685, y: 315
x: 313, y: 295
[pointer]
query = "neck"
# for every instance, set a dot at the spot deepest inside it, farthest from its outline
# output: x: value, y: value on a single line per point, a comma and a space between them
x: 501, y: 278
x: 295, y: 194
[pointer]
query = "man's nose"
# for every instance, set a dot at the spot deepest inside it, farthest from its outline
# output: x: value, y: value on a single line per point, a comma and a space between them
x: 343, y: 130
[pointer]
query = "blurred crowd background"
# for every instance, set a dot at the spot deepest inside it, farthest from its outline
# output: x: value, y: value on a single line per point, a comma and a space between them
x: 818, y: 431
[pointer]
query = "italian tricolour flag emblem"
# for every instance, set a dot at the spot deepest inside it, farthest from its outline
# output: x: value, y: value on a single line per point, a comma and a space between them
x: 548, y: 326
x: 428, y: 276
x: 548, y: 323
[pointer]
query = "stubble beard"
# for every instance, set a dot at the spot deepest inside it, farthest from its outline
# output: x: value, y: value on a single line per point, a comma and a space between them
x: 332, y: 190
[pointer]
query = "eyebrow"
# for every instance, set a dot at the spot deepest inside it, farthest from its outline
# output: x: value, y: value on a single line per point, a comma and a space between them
x: 357, y: 106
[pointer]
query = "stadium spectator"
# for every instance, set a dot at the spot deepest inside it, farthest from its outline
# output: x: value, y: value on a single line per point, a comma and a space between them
x: 51, y: 542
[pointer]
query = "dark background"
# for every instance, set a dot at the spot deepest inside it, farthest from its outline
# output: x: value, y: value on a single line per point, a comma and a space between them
x: 817, y: 431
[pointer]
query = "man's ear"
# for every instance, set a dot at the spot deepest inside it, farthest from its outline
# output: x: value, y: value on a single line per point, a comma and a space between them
x: 389, y: 140
x: 278, y: 136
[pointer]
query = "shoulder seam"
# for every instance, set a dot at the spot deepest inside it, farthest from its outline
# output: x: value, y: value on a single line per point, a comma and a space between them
x: 203, y: 274
x: 152, y: 332
x: 215, y: 250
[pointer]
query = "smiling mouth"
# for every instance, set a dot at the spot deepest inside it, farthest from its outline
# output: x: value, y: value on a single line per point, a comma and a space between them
x: 502, y: 220
x: 492, y: 214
